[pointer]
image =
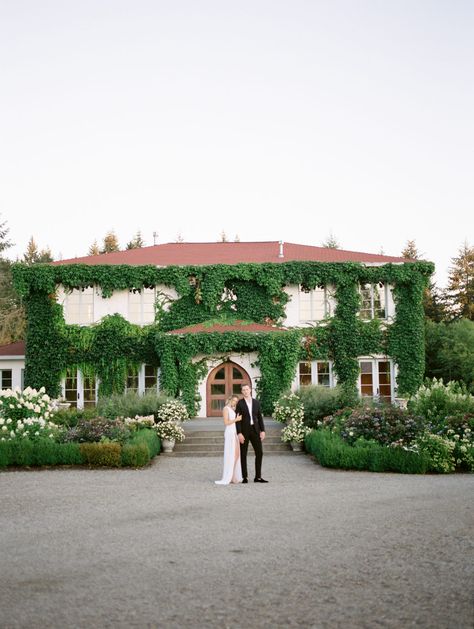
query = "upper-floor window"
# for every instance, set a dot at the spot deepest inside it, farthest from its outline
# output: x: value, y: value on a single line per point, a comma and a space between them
x: 5, y: 379
x: 141, y: 306
x: 79, y: 306
x: 315, y: 372
x: 316, y: 304
x: 373, y: 303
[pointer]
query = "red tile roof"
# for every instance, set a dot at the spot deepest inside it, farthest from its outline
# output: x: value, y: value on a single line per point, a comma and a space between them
x: 13, y: 349
x: 203, y: 253
x: 237, y: 326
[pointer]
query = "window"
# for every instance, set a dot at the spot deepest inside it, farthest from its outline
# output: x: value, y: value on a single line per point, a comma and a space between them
x: 70, y: 387
x: 316, y: 372
x: 79, y: 306
x: 141, y: 306
x: 132, y: 381
x: 5, y: 379
x: 151, y: 378
x: 376, y: 379
x: 89, y: 391
x: 316, y: 304
x: 373, y: 301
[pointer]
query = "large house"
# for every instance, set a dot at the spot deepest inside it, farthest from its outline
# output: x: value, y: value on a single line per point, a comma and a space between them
x: 199, y: 319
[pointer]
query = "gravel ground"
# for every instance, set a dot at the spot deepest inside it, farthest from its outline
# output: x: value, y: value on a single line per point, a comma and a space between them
x: 165, y: 547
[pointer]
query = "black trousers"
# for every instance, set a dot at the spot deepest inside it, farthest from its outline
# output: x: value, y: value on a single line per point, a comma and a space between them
x: 254, y: 438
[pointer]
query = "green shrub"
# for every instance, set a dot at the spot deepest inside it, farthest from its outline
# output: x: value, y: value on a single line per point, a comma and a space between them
x: 25, y: 453
x: 440, y: 450
x: 435, y: 401
x: 95, y: 430
x: 131, y: 404
x: 102, y: 454
x: 331, y: 451
x: 319, y: 401
x: 135, y: 455
x: 71, y: 416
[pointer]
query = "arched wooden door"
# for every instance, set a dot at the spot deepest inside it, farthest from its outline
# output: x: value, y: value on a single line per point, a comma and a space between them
x: 222, y: 382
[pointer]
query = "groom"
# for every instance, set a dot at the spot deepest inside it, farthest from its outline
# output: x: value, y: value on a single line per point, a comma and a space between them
x: 252, y: 429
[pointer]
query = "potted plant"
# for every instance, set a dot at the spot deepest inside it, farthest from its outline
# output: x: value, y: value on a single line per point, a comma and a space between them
x: 295, y: 433
x: 288, y: 408
x: 169, y: 432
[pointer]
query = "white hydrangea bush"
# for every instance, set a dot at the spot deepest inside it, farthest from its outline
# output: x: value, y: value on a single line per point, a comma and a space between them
x: 295, y: 431
x: 27, y: 414
x: 174, y: 410
x: 288, y: 408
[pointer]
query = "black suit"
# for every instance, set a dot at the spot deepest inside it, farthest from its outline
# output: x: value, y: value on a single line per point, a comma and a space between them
x: 251, y: 432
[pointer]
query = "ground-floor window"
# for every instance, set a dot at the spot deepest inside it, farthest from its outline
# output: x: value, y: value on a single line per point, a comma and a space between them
x: 5, y: 379
x: 143, y: 379
x: 79, y: 390
x: 315, y: 372
x: 376, y: 378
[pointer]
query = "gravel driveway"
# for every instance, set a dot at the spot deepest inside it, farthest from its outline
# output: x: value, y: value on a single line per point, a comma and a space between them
x: 165, y: 547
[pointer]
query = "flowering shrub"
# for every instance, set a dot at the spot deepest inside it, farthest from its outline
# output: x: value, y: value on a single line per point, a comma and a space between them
x: 100, y: 429
x: 169, y: 430
x: 460, y: 430
x: 33, y: 428
x: 288, y: 408
x: 18, y: 405
x: 440, y: 451
x: 435, y: 401
x: 319, y: 401
x: 386, y: 425
x: 295, y: 431
x: 138, y: 422
x: 173, y: 411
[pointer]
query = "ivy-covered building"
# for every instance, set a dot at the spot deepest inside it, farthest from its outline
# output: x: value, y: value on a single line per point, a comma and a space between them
x: 199, y: 319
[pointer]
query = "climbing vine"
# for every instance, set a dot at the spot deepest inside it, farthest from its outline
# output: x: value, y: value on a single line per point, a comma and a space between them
x: 253, y: 292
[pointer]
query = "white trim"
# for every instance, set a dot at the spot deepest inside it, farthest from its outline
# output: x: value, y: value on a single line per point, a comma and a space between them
x: 11, y: 358
x: 375, y: 359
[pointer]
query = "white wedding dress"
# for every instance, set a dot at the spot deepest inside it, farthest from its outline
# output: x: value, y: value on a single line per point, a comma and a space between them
x: 231, y: 443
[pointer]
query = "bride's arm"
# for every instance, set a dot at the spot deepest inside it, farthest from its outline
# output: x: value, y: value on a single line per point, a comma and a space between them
x: 225, y: 415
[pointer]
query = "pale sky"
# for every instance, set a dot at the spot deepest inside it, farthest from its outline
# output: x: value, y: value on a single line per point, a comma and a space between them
x: 273, y: 120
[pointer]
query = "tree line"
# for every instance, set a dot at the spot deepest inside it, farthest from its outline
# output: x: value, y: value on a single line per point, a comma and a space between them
x: 449, y: 312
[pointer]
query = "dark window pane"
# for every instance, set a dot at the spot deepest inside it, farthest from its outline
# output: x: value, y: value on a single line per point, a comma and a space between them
x: 6, y: 378
x: 323, y: 379
x: 220, y: 375
x: 217, y: 389
x: 236, y: 388
x: 217, y: 405
x: 366, y: 367
x: 236, y: 374
x: 305, y: 379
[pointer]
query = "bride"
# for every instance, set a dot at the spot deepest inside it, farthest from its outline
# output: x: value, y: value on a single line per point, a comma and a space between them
x: 232, y: 471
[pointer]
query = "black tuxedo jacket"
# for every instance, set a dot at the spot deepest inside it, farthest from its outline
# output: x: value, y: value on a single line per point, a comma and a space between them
x: 244, y: 425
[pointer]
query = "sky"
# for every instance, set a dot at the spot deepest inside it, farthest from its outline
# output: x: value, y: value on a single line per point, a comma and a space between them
x: 266, y: 119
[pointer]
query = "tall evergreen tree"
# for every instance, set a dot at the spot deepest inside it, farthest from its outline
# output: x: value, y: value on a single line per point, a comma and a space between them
x: 137, y: 242
x: 33, y: 255
x: 110, y: 243
x: 411, y: 251
x: 331, y: 242
x: 94, y: 249
x: 459, y: 294
x: 224, y: 236
x: 4, y: 243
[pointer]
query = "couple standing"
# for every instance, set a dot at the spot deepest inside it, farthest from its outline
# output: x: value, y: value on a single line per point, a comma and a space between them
x: 243, y: 423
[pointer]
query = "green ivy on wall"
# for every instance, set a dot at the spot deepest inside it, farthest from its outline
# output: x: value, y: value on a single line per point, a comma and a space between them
x: 255, y: 292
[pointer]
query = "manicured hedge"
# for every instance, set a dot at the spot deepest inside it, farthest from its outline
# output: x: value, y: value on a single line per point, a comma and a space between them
x: 137, y: 452
x: 331, y: 451
x: 42, y: 452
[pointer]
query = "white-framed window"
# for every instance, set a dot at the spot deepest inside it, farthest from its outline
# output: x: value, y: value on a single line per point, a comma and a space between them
x: 316, y: 304
x: 6, y: 379
x: 79, y: 306
x: 317, y: 372
x: 141, y: 306
x: 373, y: 303
x: 377, y: 378
x: 143, y: 379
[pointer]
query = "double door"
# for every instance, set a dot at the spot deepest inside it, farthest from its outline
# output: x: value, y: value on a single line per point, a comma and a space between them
x: 376, y: 379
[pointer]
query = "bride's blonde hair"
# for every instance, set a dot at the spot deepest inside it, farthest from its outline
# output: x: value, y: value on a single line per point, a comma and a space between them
x: 229, y: 399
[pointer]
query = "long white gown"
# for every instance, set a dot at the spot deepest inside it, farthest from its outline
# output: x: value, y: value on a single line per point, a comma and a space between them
x: 231, y: 443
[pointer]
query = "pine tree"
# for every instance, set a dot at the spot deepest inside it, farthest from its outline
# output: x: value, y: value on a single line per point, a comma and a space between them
x: 331, y: 242
x: 179, y: 237
x: 410, y: 252
x: 236, y: 238
x: 110, y: 243
x: 224, y: 236
x: 94, y: 249
x: 137, y: 242
x: 33, y: 255
x: 433, y: 303
x: 459, y: 294
x: 4, y: 243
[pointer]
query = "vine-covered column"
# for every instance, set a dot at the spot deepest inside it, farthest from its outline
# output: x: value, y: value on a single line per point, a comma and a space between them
x: 45, y: 348
x: 345, y: 338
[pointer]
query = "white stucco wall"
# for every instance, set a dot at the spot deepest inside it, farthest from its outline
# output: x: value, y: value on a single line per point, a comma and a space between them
x: 243, y: 360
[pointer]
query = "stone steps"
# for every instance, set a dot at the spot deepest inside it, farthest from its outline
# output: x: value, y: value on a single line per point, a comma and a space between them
x: 207, y: 443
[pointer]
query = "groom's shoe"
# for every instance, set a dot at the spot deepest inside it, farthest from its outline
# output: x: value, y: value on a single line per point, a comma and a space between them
x: 244, y: 480
x: 259, y: 480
